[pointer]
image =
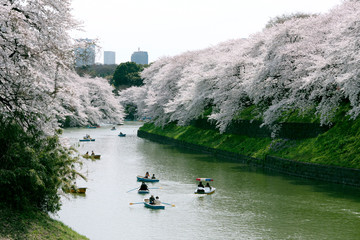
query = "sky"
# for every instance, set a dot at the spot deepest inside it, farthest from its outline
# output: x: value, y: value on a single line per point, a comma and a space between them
x: 171, y: 27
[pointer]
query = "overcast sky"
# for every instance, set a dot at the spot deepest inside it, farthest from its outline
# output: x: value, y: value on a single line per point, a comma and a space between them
x: 171, y: 27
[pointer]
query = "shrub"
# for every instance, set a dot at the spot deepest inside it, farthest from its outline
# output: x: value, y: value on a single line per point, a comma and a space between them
x: 33, y: 167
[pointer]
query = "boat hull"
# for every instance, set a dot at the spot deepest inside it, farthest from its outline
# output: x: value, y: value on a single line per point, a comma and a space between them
x: 87, y: 140
x: 143, y: 191
x: 206, y: 191
x: 122, y: 135
x: 157, y: 207
x: 77, y: 190
x: 143, y: 179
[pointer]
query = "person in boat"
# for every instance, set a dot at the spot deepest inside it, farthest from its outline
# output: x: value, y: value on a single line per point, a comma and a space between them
x: 200, y: 185
x: 151, y: 199
x: 208, y: 185
x: 157, y: 201
x: 153, y: 176
x: 87, y: 136
x: 147, y: 175
x: 121, y: 133
x: 143, y: 186
x: 92, y: 153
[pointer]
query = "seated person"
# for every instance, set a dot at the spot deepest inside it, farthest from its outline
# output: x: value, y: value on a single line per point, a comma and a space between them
x: 151, y: 199
x: 157, y: 201
x: 153, y: 176
x: 143, y: 186
x: 92, y: 153
x: 147, y: 175
x: 208, y: 185
x: 200, y: 185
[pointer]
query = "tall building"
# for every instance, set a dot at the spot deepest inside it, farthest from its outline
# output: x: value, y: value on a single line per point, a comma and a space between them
x: 85, y: 55
x: 109, y: 57
x: 140, y: 57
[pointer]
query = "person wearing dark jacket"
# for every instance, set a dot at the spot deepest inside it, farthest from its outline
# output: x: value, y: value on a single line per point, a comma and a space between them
x: 143, y: 186
x: 151, y: 199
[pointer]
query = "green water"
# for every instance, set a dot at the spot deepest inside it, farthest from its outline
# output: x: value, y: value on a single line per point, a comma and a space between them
x: 248, y: 203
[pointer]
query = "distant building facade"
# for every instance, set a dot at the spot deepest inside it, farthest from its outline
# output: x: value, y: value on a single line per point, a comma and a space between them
x: 109, y: 57
x: 85, y: 55
x: 140, y: 57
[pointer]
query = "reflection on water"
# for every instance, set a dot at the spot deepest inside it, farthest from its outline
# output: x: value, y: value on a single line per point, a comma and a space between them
x: 248, y: 203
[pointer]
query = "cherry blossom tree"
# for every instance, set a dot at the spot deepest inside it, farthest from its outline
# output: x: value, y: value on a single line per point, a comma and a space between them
x: 36, y: 68
x: 301, y: 65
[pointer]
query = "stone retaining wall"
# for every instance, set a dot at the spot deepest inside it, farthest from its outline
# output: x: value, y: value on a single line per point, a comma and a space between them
x: 333, y: 174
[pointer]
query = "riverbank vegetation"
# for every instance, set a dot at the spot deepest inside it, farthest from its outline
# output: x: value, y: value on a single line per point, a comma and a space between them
x: 339, y: 146
x: 16, y: 224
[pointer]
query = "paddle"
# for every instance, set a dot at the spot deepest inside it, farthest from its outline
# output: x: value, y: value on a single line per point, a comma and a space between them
x: 155, y: 187
x: 132, y: 203
x: 132, y: 189
x: 173, y: 205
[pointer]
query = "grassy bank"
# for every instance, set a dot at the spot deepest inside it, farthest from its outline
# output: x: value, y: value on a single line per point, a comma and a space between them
x: 33, y: 225
x: 340, y: 146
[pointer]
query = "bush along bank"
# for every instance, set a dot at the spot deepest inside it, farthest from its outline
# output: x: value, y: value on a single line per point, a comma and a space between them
x: 332, y: 156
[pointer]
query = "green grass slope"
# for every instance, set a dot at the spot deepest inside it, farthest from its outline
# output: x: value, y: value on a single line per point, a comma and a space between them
x: 33, y: 225
x: 340, y: 146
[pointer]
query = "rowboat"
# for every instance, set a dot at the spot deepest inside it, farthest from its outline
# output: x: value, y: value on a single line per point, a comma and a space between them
x: 143, y: 179
x: 87, y: 140
x: 152, y: 206
x: 143, y: 191
x: 122, y: 135
x: 77, y: 190
x: 93, y: 126
x: 204, y: 190
x: 91, y: 156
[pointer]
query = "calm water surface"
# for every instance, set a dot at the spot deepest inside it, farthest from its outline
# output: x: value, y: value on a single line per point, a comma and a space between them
x: 248, y: 204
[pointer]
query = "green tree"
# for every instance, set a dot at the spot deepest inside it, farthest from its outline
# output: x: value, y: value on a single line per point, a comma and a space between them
x: 104, y: 71
x: 33, y: 167
x: 127, y: 75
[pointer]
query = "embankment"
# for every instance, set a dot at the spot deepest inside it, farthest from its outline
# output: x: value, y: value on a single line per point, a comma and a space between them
x: 15, y: 224
x: 261, y: 153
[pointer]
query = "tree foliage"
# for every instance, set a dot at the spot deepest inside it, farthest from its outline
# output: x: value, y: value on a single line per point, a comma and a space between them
x: 127, y: 74
x: 304, y: 65
x: 39, y: 88
x: 33, y: 167
x: 37, y: 66
x: 97, y: 70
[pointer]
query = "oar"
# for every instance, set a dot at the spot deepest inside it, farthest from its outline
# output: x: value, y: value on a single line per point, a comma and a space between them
x: 173, y: 205
x: 132, y: 203
x: 132, y: 189
x: 155, y: 187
